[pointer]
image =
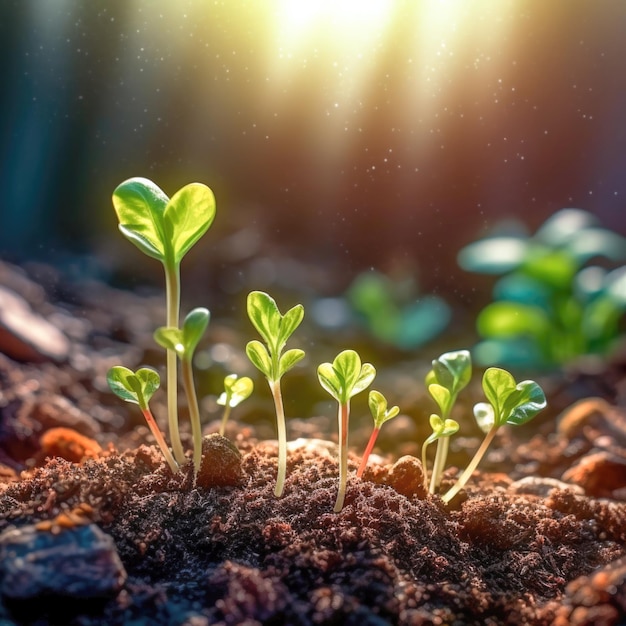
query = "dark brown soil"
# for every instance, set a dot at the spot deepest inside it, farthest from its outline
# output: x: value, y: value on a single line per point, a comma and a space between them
x: 539, y: 537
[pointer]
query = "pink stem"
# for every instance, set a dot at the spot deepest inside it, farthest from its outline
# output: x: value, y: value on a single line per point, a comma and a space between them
x: 368, y: 451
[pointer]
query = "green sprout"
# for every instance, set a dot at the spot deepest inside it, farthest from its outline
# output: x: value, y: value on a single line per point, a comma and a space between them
x: 450, y: 373
x: 183, y: 342
x: 381, y: 414
x: 165, y: 229
x: 275, y: 329
x: 236, y: 390
x: 508, y: 403
x: 553, y: 302
x: 138, y: 387
x: 342, y: 379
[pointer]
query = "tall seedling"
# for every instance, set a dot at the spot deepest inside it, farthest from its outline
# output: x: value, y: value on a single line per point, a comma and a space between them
x: 165, y: 229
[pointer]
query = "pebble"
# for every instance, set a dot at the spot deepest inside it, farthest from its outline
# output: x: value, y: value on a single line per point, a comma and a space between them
x: 26, y: 336
x: 542, y: 486
x: 407, y: 478
x: 79, y: 562
x: 601, y: 474
x: 221, y: 463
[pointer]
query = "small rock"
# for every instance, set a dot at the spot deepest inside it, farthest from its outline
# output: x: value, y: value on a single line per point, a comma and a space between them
x: 601, y: 474
x: 68, y: 444
x: 80, y: 562
x: 407, y: 478
x: 542, y: 486
x: 221, y: 463
x: 26, y: 336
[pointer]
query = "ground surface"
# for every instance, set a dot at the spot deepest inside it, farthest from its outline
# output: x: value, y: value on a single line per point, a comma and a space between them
x: 96, y: 530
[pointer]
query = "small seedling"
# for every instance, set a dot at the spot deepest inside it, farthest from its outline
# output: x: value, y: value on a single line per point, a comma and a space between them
x: 275, y: 329
x: 165, y: 229
x: 183, y: 342
x: 381, y: 414
x: 236, y: 390
x: 343, y: 379
x: 508, y: 403
x: 450, y: 373
x: 138, y: 387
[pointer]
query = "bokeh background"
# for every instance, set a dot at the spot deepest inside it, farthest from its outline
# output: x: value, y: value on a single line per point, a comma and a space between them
x: 343, y: 135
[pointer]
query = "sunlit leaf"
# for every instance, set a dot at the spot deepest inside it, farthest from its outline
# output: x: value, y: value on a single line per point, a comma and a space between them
x: 498, y: 384
x: 525, y: 403
x: 484, y: 415
x: 194, y: 327
x: 288, y: 360
x: 236, y: 390
x: 171, y: 338
x: 559, y: 228
x: 441, y: 396
x: 510, y: 319
x: 187, y: 216
x: 378, y: 407
x: 135, y: 387
x: 258, y: 355
x: 495, y: 255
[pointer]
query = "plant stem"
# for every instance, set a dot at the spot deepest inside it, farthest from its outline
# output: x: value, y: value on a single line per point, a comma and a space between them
x: 424, y: 466
x: 469, y: 470
x: 194, y: 413
x: 443, y: 443
x: 225, y: 417
x: 282, y: 437
x: 368, y: 451
x: 172, y: 295
x: 343, y: 416
x: 156, y: 433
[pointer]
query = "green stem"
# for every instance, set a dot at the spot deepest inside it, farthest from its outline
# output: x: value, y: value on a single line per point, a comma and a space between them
x: 424, y: 466
x: 172, y: 295
x: 282, y: 437
x: 343, y: 416
x: 368, y: 451
x: 225, y: 417
x: 443, y: 443
x: 194, y: 413
x: 158, y: 435
x: 469, y: 470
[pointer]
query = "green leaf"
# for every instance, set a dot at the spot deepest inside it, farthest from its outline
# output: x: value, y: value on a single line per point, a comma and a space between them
x: 346, y: 376
x: 501, y: 320
x: 453, y: 370
x: 187, y: 216
x: 194, y: 327
x: 139, y: 205
x: 260, y: 358
x: 441, y: 428
x: 288, y: 360
x: 236, y: 390
x: 378, y: 407
x: 494, y: 255
x: 171, y: 338
x: 265, y: 316
x: 498, y: 384
x: 135, y: 387
x: 441, y: 396
x: 288, y: 324
x: 522, y: 405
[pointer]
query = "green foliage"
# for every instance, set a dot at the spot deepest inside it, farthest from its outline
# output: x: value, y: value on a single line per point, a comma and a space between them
x: 378, y: 407
x: 184, y: 341
x: 441, y: 428
x: 394, y: 313
x: 163, y: 228
x: 275, y: 329
x: 551, y: 305
x: 345, y: 376
x: 135, y: 387
x: 236, y: 390
x: 450, y: 373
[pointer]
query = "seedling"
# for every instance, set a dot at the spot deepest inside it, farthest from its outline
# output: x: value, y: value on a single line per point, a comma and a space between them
x: 343, y: 379
x: 381, y: 414
x: 183, y: 342
x: 450, y: 373
x: 138, y: 387
x: 508, y: 403
x: 165, y: 229
x: 550, y: 306
x: 236, y: 390
x: 275, y: 329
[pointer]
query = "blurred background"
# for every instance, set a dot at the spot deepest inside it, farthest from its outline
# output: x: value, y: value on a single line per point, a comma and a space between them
x: 342, y: 135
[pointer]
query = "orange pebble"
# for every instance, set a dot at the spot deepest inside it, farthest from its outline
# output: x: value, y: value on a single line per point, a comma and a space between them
x: 68, y: 444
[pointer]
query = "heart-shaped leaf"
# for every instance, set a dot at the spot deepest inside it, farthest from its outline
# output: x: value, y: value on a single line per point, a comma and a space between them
x: 378, y: 407
x: 171, y: 338
x: 236, y: 390
x: 135, y: 387
x: 346, y: 376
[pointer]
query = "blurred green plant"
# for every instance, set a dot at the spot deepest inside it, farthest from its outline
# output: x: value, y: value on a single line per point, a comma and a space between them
x: 236, y: 390
x: 393, y: 313
x: 560, y: 296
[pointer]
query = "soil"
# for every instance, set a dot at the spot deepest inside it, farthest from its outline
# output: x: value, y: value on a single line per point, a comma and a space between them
x: 96, y: 530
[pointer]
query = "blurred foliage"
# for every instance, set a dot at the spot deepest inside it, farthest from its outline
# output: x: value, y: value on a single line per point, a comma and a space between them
x: 392, y: 311
x: 562, y: 293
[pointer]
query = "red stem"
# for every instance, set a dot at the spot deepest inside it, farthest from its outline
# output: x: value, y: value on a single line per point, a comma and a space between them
x: 368, y: 451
